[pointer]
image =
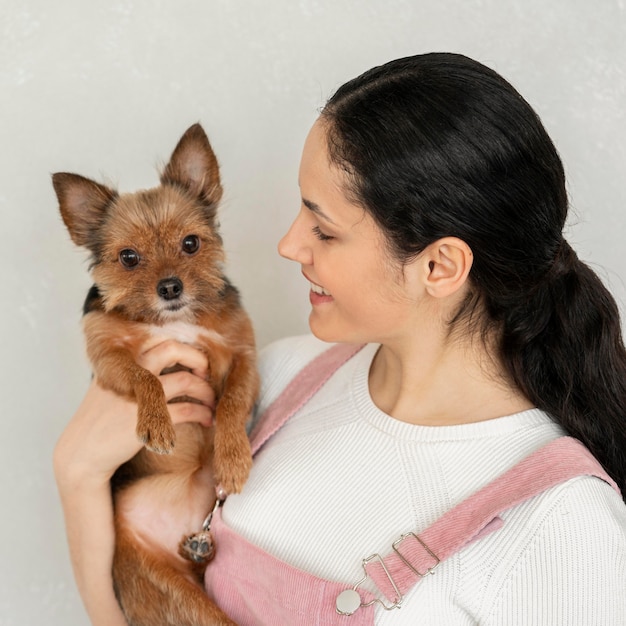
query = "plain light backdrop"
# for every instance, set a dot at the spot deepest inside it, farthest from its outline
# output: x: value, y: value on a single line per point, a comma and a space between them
x: 106, y: 89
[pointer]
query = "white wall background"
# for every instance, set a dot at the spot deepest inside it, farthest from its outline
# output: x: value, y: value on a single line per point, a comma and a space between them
x: 106, y: 89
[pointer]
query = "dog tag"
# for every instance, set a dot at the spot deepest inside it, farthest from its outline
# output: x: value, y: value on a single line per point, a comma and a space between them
x: 199, y: 547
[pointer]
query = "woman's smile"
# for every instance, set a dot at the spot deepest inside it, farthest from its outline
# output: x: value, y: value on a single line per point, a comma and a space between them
x: 317, y: 294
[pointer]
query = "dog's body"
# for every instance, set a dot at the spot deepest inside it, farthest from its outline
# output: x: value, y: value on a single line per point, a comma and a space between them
x: 156, y: 259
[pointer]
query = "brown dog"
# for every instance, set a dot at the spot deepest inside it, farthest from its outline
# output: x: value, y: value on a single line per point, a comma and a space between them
x: 157, y: 267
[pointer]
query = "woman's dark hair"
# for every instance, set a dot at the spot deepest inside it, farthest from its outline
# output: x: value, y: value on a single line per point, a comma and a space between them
x: 439, y: 145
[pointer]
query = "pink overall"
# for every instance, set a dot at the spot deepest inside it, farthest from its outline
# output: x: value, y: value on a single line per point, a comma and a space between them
x: 255, y: 588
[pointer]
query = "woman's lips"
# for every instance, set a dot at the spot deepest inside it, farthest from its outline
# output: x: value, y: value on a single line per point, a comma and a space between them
x: 317, y: 294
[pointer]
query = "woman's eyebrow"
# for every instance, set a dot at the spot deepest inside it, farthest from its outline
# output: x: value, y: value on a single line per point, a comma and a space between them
x: 316, y: 209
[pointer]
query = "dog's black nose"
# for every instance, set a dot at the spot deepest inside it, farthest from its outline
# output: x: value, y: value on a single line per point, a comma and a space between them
x: 170, y: 288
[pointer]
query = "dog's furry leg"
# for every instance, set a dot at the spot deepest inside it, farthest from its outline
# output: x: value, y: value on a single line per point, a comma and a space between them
x: 117, y: 370
x: 232, y: 458
x: 153, y: 592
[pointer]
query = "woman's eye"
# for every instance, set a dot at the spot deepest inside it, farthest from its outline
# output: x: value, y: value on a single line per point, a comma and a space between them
x: 320, y: 235
x: 191, y: 244
x: 129, y: 258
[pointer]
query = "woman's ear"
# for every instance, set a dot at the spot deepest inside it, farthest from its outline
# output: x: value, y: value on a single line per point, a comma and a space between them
x: 446, y: 265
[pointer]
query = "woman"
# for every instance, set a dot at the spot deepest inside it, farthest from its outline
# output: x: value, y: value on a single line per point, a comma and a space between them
x: 433, y: 204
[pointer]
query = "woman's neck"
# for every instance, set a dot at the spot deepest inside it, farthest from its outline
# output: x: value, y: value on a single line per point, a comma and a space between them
x: 442, y: 383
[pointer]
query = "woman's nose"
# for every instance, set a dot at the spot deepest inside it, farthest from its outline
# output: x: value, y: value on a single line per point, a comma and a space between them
x: 293, y: 244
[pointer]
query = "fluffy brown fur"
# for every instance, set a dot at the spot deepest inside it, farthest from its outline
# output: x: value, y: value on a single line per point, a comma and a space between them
x: 157, y: 267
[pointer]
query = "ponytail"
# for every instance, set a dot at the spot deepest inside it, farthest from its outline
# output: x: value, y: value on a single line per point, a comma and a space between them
x: 563, y: 348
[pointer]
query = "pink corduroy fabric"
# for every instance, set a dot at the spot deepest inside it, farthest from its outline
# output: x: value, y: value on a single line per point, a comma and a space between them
x: 256, y: 589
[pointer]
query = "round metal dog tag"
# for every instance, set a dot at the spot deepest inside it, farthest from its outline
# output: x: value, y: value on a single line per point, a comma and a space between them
x: 198, y: 548
x: 348, y: 602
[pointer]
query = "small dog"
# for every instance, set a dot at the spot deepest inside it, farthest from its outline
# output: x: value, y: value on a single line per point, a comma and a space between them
x: 157, y: 267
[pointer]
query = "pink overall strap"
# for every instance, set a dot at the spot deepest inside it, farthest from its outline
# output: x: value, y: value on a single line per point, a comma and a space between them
x: 300, y: 390
x: 416, y: 555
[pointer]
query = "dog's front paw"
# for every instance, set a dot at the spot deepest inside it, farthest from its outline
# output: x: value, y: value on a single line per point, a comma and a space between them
x: 155, y: 429
x: 232, y: 460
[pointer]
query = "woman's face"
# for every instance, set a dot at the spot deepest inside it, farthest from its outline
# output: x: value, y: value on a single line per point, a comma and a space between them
x: 358, y: 292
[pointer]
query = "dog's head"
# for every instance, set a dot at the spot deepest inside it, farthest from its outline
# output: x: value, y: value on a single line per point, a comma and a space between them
x: 156, y: 254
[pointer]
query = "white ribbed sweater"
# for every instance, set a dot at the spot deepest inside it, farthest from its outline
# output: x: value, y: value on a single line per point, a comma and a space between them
x: 343, y: 480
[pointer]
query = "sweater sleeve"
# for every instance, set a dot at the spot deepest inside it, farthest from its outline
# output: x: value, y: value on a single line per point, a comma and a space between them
x: 572, y: 568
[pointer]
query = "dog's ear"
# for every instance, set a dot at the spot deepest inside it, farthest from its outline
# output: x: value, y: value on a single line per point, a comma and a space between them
x: 83, y: 204
x: 193, y: 165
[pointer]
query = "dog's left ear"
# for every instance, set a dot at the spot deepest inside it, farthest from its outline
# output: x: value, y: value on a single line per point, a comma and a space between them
x: 193, y: 165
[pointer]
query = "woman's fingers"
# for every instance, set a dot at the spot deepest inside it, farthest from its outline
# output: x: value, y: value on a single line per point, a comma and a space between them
x: 169, y: 353
x: 182, y: 412
x: 184, y: 385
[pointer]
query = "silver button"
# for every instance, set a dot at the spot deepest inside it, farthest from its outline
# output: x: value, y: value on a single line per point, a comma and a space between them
x: 348, y: 602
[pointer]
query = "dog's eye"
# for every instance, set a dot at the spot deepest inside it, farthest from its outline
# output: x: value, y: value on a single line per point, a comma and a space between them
x: 129, y: 258
x: 191, y: 243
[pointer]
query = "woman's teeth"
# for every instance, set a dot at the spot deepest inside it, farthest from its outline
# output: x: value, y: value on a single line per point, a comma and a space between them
x: 319, y: 290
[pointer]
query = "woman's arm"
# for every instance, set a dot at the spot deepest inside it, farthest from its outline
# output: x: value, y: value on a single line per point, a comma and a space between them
x: 98, y: 439
x: 89, y: 526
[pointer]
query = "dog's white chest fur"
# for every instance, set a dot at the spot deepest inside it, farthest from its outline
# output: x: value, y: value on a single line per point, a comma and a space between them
x: 186, y: 333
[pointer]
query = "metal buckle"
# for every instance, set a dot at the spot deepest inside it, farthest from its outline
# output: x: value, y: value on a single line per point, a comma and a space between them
x: 430, y: 570
x: 349, y: 601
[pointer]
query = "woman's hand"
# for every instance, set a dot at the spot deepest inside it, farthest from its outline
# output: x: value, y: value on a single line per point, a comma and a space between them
x: 101, y: 434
